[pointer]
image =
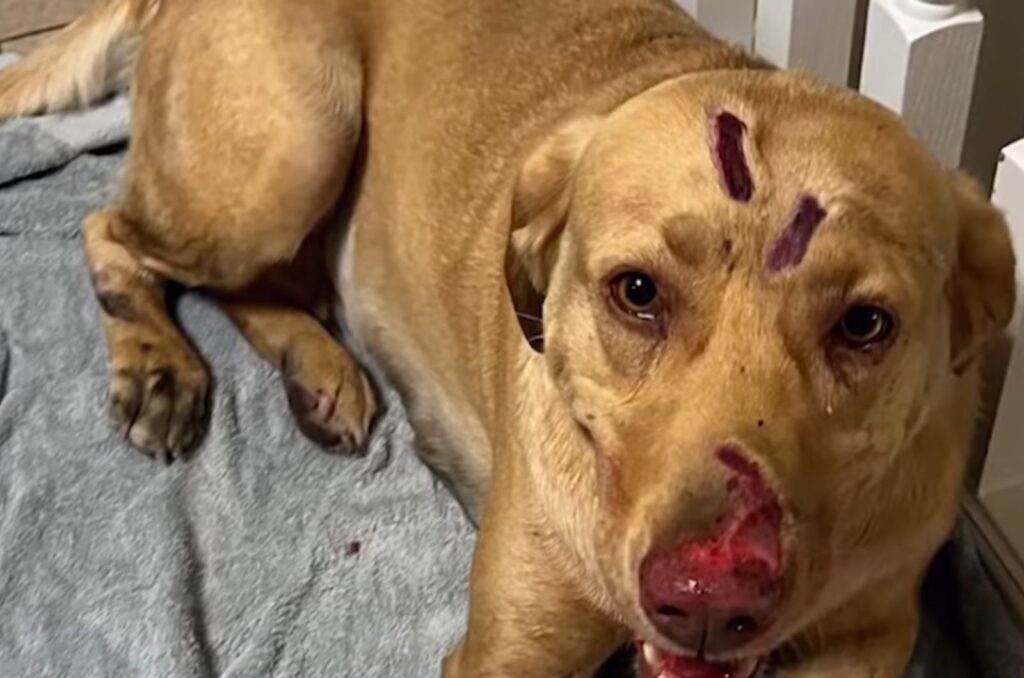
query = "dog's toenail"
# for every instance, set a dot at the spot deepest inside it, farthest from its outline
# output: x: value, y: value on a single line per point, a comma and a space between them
x: 163, y: 381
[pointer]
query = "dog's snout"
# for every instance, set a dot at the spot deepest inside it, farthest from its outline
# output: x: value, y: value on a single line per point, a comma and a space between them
x: 714, y: 593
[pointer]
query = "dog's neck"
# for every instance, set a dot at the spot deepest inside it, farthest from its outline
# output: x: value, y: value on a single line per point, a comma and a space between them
x: 546, y: 458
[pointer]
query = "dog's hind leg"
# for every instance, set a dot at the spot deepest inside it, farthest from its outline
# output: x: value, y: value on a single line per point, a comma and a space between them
x: 240, y: 150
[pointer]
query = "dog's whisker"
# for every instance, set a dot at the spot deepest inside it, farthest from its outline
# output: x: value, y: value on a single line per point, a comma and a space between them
x: 527, y: 316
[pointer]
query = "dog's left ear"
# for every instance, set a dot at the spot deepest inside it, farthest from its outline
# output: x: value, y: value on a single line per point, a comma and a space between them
x: 540, y: 208
x: 982, y: 288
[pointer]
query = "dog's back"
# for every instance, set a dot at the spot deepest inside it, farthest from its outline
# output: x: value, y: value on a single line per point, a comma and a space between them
x: 459, y: 92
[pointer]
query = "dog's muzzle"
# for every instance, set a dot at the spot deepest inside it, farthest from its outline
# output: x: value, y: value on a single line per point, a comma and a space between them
x: 713, y: 594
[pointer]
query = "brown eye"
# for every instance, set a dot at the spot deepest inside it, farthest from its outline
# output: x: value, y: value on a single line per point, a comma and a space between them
x: 864, y: 326
x: 636, y: 294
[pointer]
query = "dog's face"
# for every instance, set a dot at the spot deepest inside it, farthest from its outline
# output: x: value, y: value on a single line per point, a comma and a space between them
x: 760, y: 296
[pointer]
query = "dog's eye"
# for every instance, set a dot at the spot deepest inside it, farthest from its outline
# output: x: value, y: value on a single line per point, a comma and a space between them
x: 864, y: 326
x: 636, y: 294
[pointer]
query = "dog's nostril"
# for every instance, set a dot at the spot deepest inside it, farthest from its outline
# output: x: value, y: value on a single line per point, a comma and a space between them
x: 741, y: 624
x: 672, y: 611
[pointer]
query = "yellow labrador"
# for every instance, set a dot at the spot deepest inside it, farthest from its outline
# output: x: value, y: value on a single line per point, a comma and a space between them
x: 694, y: 340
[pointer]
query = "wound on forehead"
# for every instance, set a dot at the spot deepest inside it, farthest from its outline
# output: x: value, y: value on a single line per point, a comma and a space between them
x: 789, y: 248
x: 730, y: 160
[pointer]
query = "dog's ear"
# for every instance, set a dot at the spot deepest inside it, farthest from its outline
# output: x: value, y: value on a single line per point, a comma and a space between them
x: 540, y: 208
x: 981, y: 288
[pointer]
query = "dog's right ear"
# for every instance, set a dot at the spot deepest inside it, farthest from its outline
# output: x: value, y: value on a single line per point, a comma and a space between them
x: 540, y: 208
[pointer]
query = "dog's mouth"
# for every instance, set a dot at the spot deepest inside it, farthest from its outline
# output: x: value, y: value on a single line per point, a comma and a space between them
x: 653, y: 662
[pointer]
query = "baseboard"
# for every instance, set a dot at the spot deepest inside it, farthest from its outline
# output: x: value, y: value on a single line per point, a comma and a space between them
x: 26, y: 43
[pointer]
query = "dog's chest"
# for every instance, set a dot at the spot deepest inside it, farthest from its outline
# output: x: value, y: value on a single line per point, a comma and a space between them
x: 450, y: 435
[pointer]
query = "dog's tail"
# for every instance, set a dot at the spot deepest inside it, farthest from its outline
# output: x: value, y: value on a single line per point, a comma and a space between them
x: 89, y: 59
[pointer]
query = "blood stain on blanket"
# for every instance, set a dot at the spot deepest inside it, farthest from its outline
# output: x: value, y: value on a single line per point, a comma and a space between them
x: 353, y: 548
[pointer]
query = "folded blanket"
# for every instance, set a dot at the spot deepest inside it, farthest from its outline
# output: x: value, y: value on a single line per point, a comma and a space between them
x: 261, y: 556
x: 32, y: 145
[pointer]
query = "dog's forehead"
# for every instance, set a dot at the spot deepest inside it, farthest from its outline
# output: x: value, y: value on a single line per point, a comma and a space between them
x: 775, y: 157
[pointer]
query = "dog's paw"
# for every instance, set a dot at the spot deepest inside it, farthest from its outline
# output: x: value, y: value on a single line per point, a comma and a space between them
x: 158, y: 393
x: 331, y: 398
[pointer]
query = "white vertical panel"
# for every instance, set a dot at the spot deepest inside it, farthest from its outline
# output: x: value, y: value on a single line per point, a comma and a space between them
x: 920, y: 60
x: 810, y: 34
x: 730, y: 20
x: 1002, y: 481
x: 1008, y: 195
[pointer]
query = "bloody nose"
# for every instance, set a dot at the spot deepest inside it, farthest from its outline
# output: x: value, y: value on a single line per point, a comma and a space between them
x: 715, y: 593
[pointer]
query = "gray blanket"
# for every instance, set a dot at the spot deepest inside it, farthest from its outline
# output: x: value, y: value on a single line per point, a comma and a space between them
x: 261, y: 556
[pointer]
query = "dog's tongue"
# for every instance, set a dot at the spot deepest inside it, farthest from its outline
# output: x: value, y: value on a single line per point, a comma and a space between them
x: 682, y: 667
x: 653, y: 663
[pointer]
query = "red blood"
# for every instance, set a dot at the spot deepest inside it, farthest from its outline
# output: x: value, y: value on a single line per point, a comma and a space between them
x: 736, y: 567
x: 735, y: 460
x: 747, y: 545
x: 789, y: 248
x: 730, y: 158
x: 353, y: 548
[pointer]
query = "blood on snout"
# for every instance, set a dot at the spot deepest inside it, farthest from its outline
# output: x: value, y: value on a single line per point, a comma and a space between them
x: 722, y: 587
x: 748, y: 537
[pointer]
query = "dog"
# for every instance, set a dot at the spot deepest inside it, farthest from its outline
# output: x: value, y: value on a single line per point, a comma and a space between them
x: 693, y: 340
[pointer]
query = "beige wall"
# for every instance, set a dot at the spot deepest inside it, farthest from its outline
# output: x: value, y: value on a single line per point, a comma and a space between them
x: 997, y: 111
x: 22, y: 20
x: 997, y: 119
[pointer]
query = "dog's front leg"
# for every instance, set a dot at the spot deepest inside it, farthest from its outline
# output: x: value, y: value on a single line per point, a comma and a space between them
x: 527, y: 616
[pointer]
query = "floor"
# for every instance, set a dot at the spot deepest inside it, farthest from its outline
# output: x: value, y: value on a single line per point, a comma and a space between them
x: 23, y: 23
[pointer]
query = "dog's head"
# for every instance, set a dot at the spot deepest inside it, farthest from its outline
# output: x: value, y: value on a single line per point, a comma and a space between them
x: 761, y: 301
